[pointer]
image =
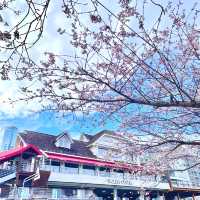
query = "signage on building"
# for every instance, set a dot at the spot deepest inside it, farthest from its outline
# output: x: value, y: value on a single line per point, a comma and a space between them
x: 87, y: 179
x: 135, y: 183
x: 120, y: 182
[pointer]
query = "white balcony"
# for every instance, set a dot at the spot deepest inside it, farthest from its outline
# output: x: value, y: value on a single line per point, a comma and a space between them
x: 81, y: 176
x: 185, y: 184
x: 42, y: 194
x: 105, y: 181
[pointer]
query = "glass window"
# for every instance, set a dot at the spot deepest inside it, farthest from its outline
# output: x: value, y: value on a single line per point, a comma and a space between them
x: 129, y: 175
x: 102, y: 151
x: 55, y: 166
x: 71, y: 168
x: 55, y: 193
x: 117, y: 156
x: 117, y: 174
x: 104, y: 172
x: 46, y: 164
x: 67, y: 192
x: 89, y: 170
x: 24, y: 193
x: 55, y: 163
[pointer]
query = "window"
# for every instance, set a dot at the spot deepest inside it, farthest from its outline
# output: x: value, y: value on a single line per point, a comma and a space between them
x: 117, y: 156
x: 117, y: 174
x: 64, y: 141
x: 24, y: 193
x: 45, y: 164
x: 71, y: 168
x: 102, y: 151
x: 55, y: 163
x: 105, y: 172
x: 67, y: 192
x: 55, y: 193
x: 129, y: 175
x: 89, y: 170
x: 55, y: 166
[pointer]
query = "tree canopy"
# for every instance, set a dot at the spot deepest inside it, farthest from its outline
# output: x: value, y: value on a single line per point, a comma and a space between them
x: 140, y: 69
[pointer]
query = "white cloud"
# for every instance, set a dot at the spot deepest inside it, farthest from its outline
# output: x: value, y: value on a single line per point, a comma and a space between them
x: 10, y: 90
x: 49, y: 42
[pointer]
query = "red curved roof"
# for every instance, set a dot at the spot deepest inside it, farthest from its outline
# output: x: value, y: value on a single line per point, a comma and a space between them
x: 79, y: 160
x: 12, y: 153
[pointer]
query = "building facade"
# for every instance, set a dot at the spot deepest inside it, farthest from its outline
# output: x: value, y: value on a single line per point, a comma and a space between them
x: 59, y: 167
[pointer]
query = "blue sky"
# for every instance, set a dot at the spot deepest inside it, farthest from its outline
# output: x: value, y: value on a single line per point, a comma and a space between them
x: 20, y: 115
x: 55, y: 123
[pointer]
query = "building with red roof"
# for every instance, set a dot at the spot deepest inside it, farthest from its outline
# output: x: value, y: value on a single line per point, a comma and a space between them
x: 44, y: 166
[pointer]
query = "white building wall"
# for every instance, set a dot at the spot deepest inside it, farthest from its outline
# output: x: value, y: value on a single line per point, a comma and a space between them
x: 104, y: 181
x: 112, y: 148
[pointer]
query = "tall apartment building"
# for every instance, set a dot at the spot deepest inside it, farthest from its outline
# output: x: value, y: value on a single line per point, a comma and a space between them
x: 7, y: 138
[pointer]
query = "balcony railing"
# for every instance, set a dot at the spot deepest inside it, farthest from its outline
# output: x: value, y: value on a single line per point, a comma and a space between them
x: 97, y: 176
x: 41, y: 194
x: 20, y: 166
x: 6, y: 172
x: 67, y: 170
x: 184, y: 184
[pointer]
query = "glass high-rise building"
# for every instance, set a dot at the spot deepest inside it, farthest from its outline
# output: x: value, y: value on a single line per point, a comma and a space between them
x: 7, y: 138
